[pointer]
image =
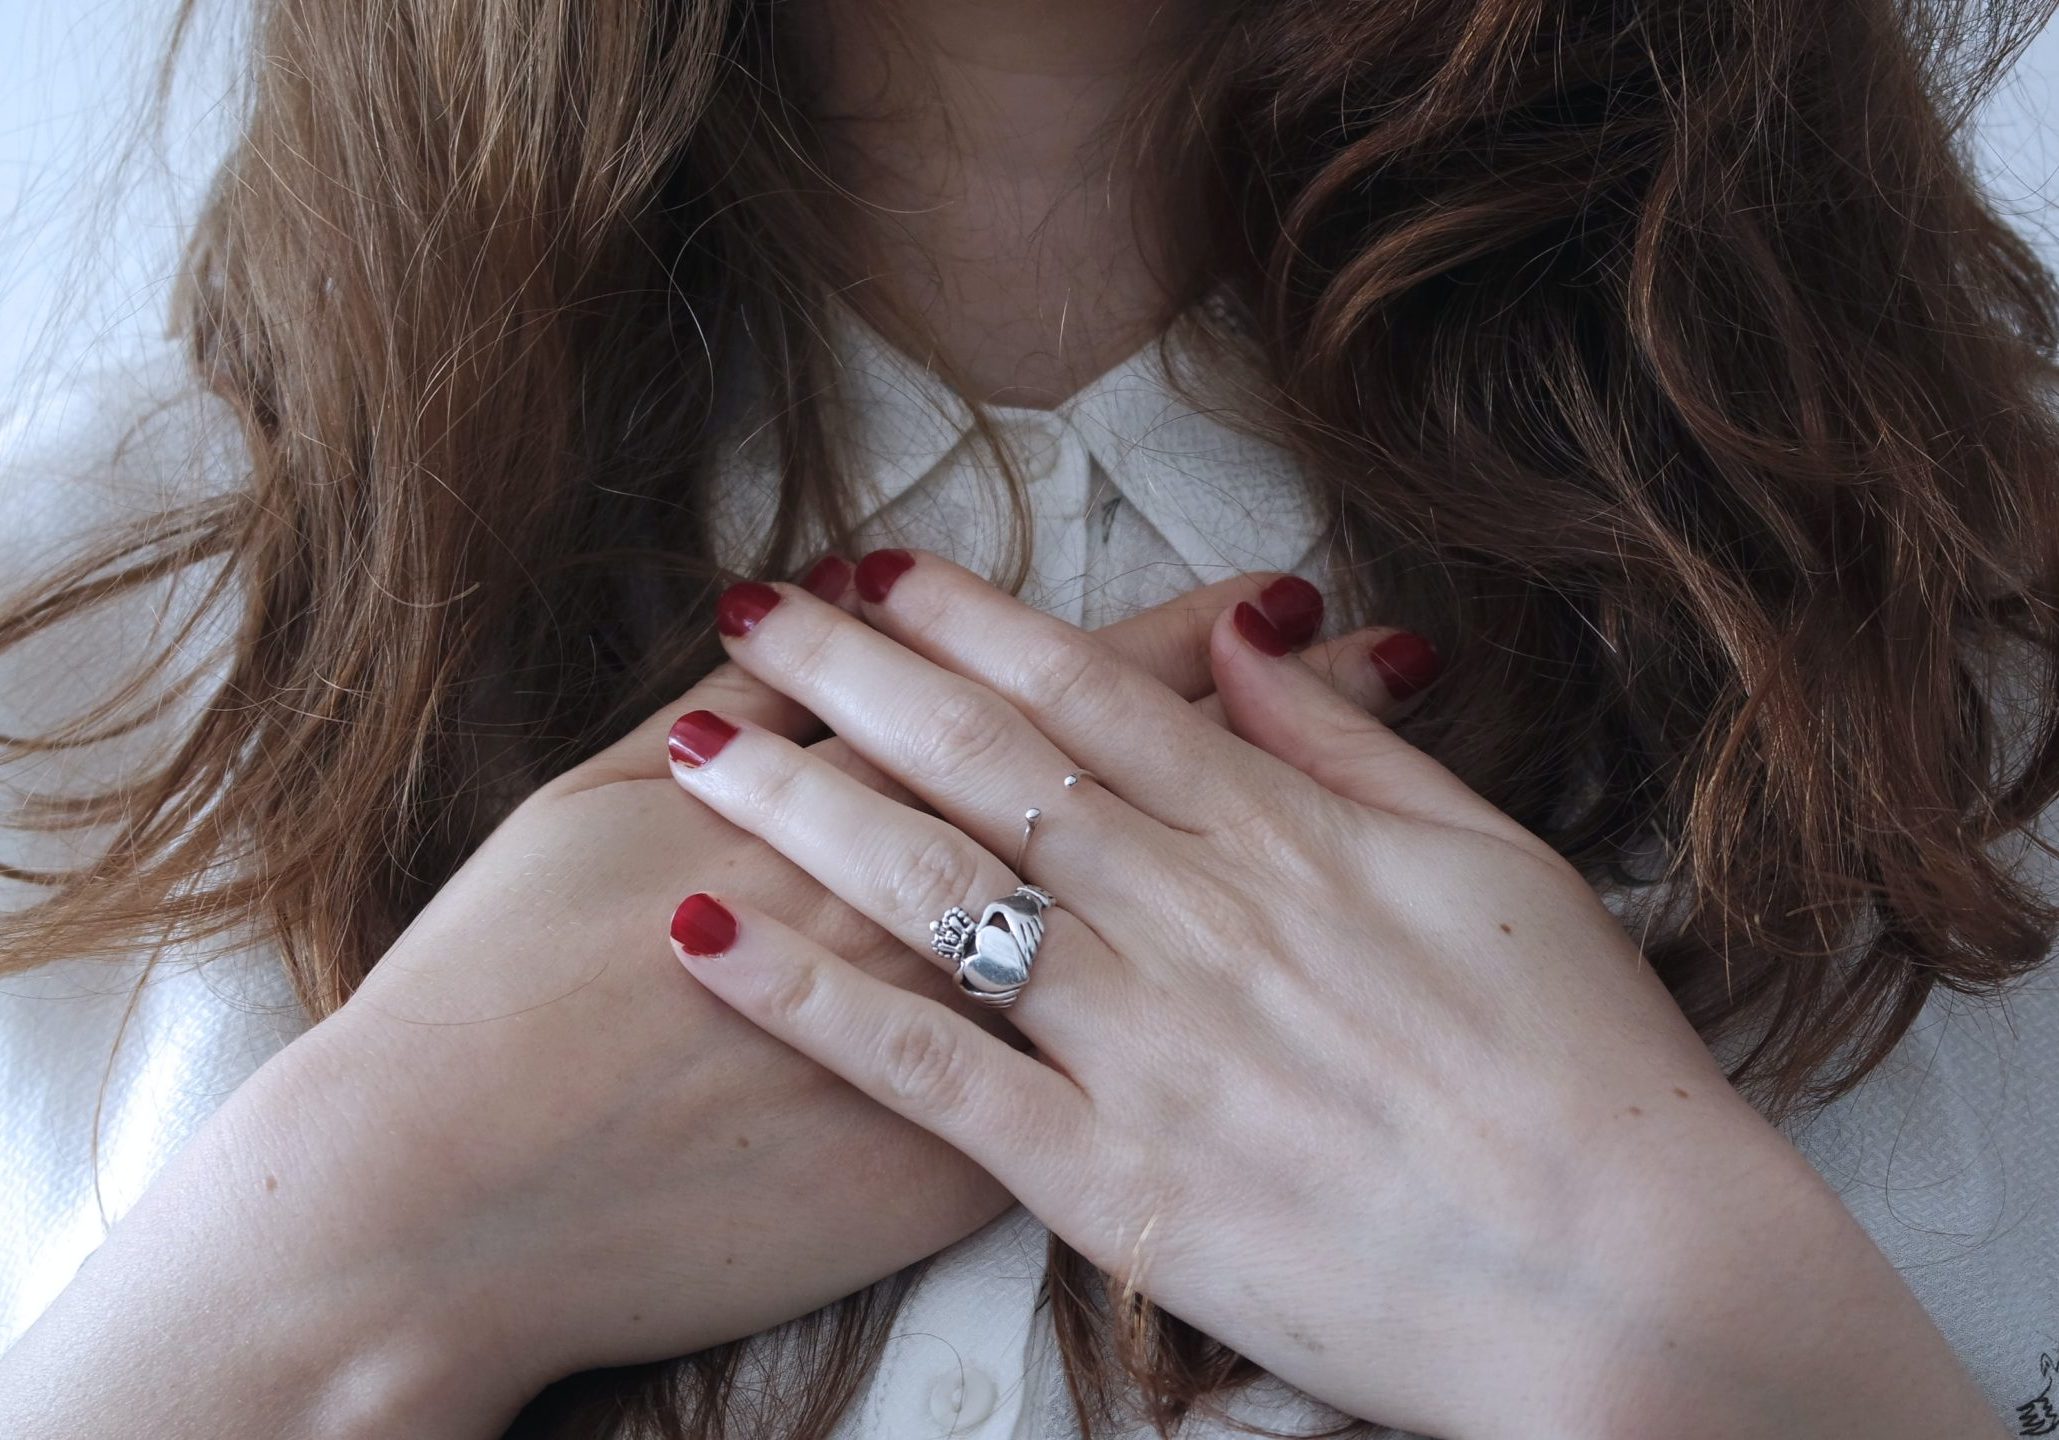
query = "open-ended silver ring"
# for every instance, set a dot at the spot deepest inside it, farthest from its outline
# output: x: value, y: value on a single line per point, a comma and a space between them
x: 994, y: 954
x: 1031, y: 816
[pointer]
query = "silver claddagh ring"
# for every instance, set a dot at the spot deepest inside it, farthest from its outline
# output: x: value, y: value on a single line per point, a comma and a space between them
x: 993, y: 954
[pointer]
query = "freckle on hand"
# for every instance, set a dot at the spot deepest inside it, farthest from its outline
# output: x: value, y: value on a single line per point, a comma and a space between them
x: 1678, y: 1091
x: 271, y: 1183
x: 1636, y: 1110
x: 1507, y: 929
x: 743, y: 1142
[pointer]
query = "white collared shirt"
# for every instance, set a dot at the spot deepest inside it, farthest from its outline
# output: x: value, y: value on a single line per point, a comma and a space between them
x: 1136, y: 494
x: 1948, y: 1154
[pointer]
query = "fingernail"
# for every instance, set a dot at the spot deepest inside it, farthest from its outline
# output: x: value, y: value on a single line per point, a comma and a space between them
x: 698, y: 737
x: 1258, y: 631
x: 878, y: 571
x: 742, y: 606
x: 702, y: 925
x: 1406, y: 662
x: 1295, y: 607
x: 829, y: 578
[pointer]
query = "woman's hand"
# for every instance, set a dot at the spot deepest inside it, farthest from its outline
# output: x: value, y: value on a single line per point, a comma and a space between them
x: 1336, y: 1062
x: 525, y: 1148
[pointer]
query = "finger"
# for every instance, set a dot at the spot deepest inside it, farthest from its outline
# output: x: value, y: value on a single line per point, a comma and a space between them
x: 1136, y: 734
x: 897, y: 866
x: 1010, y: 1113
x: 1288, y: 711
x: 963, y: 749
x: 728, y: 689
x: 1169, y: 642
x: 1347, y: 664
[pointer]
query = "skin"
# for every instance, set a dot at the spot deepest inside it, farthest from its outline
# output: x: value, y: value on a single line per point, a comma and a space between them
x: 1333, y: 1060
x: 1000, y: 202
x: 528, y: 1146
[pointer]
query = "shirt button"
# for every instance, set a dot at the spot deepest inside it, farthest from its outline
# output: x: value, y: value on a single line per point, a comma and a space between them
x: 962, y: 1398
x: 1041, y: 442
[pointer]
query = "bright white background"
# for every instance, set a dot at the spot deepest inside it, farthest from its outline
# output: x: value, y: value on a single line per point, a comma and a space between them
x: 84, y: 261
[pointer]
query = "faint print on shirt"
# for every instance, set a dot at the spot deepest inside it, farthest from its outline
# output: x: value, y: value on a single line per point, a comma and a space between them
x: 2036, y: 1416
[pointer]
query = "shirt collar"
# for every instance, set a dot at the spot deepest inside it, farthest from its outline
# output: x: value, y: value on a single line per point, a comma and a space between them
x: 1224, y: 499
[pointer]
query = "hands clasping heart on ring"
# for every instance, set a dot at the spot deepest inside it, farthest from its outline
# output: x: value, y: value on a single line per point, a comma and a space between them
x: 1313, y: 1021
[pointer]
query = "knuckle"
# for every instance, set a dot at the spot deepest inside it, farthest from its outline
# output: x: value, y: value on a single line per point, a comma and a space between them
x: 1065, y: 669
x: 788, y: 998
x: 1221, y: 925
x: 924, y: 1066
x: 927, y: 607
x: 939, y: 874
x: 773, y: 791
x: 811, y: 648
x: 963, y: 729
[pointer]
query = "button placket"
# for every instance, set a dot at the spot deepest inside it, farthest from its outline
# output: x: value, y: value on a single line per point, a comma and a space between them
x: 962, y: 1400
x: 1041, y: 442
x: 953, y: 1368
x: 1060, y: 504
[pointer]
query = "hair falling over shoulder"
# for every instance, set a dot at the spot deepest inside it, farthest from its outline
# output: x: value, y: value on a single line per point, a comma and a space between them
x: 1661, y: 360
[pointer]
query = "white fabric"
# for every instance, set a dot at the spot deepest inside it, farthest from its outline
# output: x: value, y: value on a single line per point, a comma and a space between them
x: 1948, y: 1154
x: 1135, y: 494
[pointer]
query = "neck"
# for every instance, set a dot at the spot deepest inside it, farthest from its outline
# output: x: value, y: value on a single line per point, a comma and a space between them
x: 1004, y: 208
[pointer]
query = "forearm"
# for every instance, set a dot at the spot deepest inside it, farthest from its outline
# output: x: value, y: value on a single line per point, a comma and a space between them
x: 223, y: 1307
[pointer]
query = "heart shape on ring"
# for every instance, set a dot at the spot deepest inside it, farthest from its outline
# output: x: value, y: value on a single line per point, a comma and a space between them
x: 998, y: 961
x: 994, y: 956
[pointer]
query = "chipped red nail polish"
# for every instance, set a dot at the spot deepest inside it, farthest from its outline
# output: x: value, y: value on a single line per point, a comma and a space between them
x: 828, y: 578
x: 1407, y: 663
x: 702, y: 925
x: 1295, y: 607
x: 878, y: 571
x: 742, y: 606
x: 1258, y: 632
x: 698, y: 737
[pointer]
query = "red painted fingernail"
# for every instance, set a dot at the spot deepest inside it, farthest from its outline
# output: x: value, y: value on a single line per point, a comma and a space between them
x: 742, y: 606
x: 1295, y: 607
x: 702, y: 925
x: 829, y: 578
x: 1258, y: 631
x: 878, y: 571
x: 698, y: 737
x: 1406, y: 662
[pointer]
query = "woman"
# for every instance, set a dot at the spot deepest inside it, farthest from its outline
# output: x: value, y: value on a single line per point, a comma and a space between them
x: 1550, y: 1061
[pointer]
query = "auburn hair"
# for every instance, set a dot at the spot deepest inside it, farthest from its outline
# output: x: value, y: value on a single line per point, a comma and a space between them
x: 1662, y: 361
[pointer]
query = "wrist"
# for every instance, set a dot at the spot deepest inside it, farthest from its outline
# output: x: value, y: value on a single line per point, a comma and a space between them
x: 1728, y: 1292
x: 253, y: 1291
x: 359, y: 1257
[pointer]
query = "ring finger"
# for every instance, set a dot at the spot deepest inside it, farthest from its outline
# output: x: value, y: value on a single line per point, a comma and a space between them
x: 899, y: 867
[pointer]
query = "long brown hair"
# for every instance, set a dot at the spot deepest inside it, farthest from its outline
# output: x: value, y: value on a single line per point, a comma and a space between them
x: 1661, y: 360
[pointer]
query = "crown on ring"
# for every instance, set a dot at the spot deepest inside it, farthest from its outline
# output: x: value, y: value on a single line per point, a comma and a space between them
x: 951, y: 937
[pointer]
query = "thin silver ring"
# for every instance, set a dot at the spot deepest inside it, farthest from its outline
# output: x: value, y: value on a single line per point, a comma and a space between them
x: 993, y: 955
x: 1031, y: 816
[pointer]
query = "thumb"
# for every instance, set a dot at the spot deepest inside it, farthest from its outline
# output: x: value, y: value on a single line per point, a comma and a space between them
x: 1289, y: 710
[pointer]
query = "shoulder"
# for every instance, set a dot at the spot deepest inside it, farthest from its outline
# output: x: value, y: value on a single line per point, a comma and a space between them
x: 85, y: 456
x: 1948, y: 1155
x: 1947, y: 1152
x: 107, y: 443
x: 107, y: 1066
